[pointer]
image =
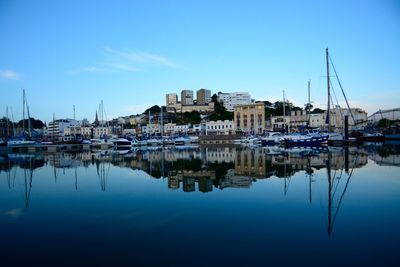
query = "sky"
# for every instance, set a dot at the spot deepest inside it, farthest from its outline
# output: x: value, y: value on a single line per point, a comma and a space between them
x: 131, y: 53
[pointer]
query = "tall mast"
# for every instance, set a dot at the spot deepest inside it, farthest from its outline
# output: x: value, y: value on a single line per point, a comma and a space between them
x: 329, y: 91
x: 309, y: 102
x: 54, y: 119
x: 23, y: 111
x: 8, y: 126
x: 148, y: 130
x: 284, y: 112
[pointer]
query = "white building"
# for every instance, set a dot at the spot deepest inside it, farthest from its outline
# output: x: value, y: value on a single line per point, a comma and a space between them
x: 230, y: 100
x: 182, y: 129
x: 101, y: 131
x: 154, y: 128
x: 220, y: 127
x: 169, y: 128
x: 57, y: 127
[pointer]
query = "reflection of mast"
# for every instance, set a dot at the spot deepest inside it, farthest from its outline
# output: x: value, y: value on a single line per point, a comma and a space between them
x: 328, y: 169
x: 309, y: 171
x: 76, y: 179
x: 102, y: 173
x: 28, y: 190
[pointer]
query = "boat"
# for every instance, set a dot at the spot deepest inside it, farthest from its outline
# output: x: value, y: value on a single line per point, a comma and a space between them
x: 18, y: 141
x: 306, y: 140
x: 272, y: 138
x: 154, y: 142
x: 121, y: 143
x: 374, y: 137
x: 182, y: 140
x: 3, y: 143
x: 135, y: 142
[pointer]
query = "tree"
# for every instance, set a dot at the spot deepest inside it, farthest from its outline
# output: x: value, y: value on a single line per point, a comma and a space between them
x: 36, y: 124
x: 317, y: 111
x: 154, y: 109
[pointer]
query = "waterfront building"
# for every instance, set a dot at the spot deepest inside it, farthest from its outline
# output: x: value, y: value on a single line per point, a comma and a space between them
x: 154, y: 129
x: 220, y: 127
x: 57, y: 127
x: 203, y: 96
x: 182, y: 129
x: 230, y: 100
x: 101, y: 131
x: 169, y: 128
x: 250, y: 118
x: 198, y: 128
x: 187, y: 97
x: 129, y: 132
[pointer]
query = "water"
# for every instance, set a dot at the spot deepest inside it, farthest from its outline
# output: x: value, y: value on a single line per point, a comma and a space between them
x: 201, y: 206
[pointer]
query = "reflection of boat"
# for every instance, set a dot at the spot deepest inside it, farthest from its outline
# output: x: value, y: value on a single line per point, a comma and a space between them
x: 376, y: 137
x: 121, y: 143
x: 154, y: 142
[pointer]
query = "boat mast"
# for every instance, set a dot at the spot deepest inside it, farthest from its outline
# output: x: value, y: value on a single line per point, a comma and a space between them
x: 284, y: 112
x: 309, y: 103
x: 23, y: 111
x: 54, y: 116
x: 329, y: 91
x: 8, y: 126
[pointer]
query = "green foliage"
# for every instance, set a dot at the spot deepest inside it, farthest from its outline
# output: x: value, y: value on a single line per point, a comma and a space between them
x: 36, y: 124
x: 385, y: 123
x: 220, y: 112
x: 154, y: 109
x: 317, y: 110
x: 187, y: 117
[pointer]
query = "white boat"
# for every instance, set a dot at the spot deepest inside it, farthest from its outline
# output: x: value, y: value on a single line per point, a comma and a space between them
x: 135, y: 143
x: 143, y: 143
x: 182, y: 140
x: 121, y: 143
x: 16, y: 142
x: 272, y: 138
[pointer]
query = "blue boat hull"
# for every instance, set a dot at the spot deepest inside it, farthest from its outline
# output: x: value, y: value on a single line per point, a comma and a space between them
x: 307, y: 141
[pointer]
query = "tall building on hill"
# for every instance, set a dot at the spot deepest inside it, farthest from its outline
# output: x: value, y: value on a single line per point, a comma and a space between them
x: 187, y: 97
x: 203, y: 96
x: 171, y: 100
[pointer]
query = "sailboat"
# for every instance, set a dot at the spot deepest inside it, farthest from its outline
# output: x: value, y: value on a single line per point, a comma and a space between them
x: 20, y: 140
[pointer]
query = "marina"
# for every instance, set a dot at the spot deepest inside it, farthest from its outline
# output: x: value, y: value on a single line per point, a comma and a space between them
x: 141, y: 199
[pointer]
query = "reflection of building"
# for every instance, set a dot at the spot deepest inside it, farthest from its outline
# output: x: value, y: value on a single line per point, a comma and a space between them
x: 250, y: 118
x: 204, y: 178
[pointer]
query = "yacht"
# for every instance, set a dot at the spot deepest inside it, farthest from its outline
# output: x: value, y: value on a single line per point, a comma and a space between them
x: 272, y: 138
x: 19, y: 141
x: 121, y: 143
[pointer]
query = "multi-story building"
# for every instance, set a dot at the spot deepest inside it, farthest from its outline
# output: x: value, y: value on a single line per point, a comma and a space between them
x: 203, y: 96
x: 101, y: 131
x: 250, y: 118
x: 181, y: 129
x: 230, y: 100
x: 220, y: 127
x: 154, y: 129
x: 57, y: 127
x: 169, y: 128
x: 187, y: 97
x: 171, y: 99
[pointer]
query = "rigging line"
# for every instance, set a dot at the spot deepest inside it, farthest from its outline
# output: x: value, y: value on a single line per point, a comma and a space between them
x: 344, y: 190
x: 337, y: 102
x: 340, y: 84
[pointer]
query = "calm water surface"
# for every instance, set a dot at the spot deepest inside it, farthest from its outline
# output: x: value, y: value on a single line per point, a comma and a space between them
x: 201, y: 206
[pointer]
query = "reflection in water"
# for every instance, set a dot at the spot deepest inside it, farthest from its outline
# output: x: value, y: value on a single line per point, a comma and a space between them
x: 208, y: 168
x: 244, y: 202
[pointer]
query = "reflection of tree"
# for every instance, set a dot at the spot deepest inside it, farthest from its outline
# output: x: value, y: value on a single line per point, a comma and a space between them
x: 220, y: 169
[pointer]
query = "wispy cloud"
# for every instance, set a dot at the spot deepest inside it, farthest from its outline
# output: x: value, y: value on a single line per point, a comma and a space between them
x: 126, y: 60
x: 9, y: 74
x: 143, y: 57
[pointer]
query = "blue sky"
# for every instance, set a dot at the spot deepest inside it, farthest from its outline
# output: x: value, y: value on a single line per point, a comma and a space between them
x: 131, y: 53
